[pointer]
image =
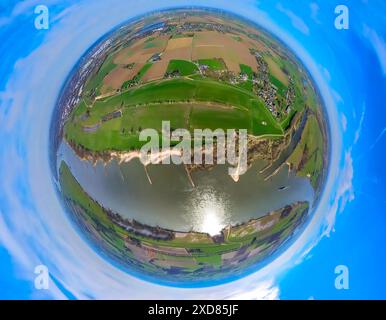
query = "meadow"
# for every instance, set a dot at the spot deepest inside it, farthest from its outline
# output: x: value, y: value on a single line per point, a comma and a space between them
x: 186, y: 103
x: 183, y: 67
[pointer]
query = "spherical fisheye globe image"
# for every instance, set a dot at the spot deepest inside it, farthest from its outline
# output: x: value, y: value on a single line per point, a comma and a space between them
x: 189, y: 146
x: 188, y: 154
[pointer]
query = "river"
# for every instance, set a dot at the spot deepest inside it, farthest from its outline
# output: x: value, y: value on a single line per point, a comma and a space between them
x: 171, y: 202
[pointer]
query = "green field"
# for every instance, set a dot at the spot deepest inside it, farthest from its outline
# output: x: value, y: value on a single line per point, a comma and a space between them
x: 150, y: 39
x: 247, y: 85
x: 247, y: 70
x: 182, y: 35
x: 307, y: 157
x: 214, y: 64
x: 186, y: 103
x: 183, y: 67
x: 281, y: 88
x: 96, y: 81
x: 143, y: 70
x: 153, y: 43
x: 301, y: 98
x: 138, y: 76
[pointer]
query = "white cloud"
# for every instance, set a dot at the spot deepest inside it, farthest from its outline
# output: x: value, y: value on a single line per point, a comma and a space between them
x: 337, y: 97
x: 264, y: 291
x: 326, y: 73
x: 344, y: 194
x: 378, y: 44
x: 379, y: 137
x: 314, y: 7
x: 296, y: 21
x: 360, y: 126
x: 343, y: 120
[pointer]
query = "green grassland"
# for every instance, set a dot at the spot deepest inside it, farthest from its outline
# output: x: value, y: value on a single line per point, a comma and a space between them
x: 143, y: 70
x: 183, y: 67
x: 307, y: 158
x: 302, y: 98
x: 191, y: 104
x: 153, y: 43
x: 138, y: 76
x: 286, y: 123
x: 213, y: 64
x: 281, y: 88
x: 96, y: 81
x: 247, y: 85
x: 182, y: 35
x: 111, y: 238
x: 150, y: 39
x: 247, y: 70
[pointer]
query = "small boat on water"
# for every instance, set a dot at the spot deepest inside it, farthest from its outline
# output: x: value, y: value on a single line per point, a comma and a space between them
x: 283, y: 188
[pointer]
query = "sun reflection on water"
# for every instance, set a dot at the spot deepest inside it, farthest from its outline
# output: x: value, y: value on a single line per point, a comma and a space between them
x: 210, y: 211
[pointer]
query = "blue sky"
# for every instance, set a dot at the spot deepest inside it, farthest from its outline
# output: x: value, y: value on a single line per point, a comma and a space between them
x: 349, y: 227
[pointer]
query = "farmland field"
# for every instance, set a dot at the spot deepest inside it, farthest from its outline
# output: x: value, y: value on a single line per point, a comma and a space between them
x: 183, y: 67
x: 214, y: 64
x: 239, y: 108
